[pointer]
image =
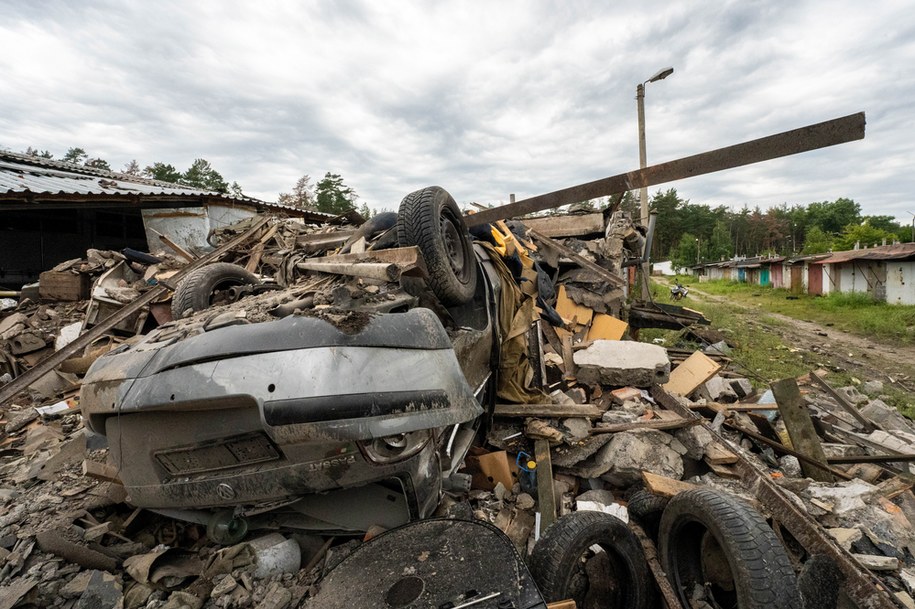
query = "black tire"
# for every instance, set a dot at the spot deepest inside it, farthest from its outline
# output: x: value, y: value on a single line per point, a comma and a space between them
x: 712, y: 543
x: 646, y: 508
x: 196, y: 291
x: 558, y: 561
x: 430, y: 219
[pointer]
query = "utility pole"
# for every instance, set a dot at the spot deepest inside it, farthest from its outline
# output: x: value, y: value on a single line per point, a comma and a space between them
x: 643, y: 163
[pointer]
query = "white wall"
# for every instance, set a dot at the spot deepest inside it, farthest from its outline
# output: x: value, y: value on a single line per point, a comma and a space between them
x: 189, y: 226
x: 900, y: 282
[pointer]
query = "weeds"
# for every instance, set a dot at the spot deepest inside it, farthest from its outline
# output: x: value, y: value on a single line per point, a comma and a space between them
x: 856, y: 313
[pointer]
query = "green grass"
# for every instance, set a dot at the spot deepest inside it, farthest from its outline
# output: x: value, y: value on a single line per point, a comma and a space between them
x: 855, y: 313
x: 764, y: 356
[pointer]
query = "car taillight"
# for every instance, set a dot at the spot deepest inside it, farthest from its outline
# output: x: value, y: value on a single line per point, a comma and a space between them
x: 397, y: 447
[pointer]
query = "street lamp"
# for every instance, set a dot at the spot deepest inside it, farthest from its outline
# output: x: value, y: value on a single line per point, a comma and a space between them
x: 698, y: 258
x: 913, y: 225
x: 643, y: 161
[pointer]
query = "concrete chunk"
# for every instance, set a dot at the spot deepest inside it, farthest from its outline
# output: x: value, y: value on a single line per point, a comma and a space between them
x: 629, y: 453
x: 621, y: 363
x: 695, y: 438
x: 718, y: 389
x: 742, y: 387
x: 845, y: 536
x: 885, y: 415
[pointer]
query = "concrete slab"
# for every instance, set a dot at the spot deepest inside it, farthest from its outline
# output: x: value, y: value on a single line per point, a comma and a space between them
x: 621, y: 363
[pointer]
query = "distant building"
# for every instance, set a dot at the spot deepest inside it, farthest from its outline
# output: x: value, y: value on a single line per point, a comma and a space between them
x: 51, y: 211
x: 886, y: 272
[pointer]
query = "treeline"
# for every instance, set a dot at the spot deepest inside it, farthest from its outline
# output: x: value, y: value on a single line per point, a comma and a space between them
x: 688, y: 233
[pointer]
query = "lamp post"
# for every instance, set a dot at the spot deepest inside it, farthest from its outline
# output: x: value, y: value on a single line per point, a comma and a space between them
x: 698, y: 257
x: 643, y: 161
x: 913, y: 225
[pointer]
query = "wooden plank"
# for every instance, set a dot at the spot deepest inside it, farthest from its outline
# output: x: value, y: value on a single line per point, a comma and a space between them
x: 688, y: 376
x: 750, y: 407
x: 568, y: 361
x: 606, y: 327
x: 723, y: 470
x: 92, y: 334
x: 562, y: 605
x: 893, y: 487
x: 407, y: 258
x: 587, y: 411
x: 872, y: 459
x: 183, y: 253
x: 663, y: 424
x: 664, y: 486
x: 100, y: 471
x: 847, y: 406
x: 567, y: 226
x: 546, y: 501
x: 381, y: 271
x: 63, y: 286
x: 781, y: 448
x: 765, y: 427
x: 811, y: 137
x: 716, y: 454
x: 668, y: 594
x: 258, y: 250
x: 316, y: 242
x: 579, y: 260
x: 800, y: 427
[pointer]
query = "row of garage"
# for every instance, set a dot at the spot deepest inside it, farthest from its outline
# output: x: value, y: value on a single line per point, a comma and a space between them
x: 886, y: 272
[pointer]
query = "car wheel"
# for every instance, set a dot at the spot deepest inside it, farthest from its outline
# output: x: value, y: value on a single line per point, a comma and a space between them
x: 717, y: 549
x: 206, y: 286
x: 594, y: 559
x: 430, y: 219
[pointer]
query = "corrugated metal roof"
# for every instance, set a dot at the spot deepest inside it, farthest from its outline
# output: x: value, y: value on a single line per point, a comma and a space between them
x: 22, y: 174
x: 26, y: 174
x: 897, y: 251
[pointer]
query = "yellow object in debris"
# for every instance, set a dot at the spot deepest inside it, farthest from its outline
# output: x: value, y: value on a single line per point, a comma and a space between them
x: 570, y: 311
x: 606, y: 327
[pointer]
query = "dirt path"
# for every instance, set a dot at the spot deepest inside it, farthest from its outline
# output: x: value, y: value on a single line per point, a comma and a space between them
x: 871, y: 358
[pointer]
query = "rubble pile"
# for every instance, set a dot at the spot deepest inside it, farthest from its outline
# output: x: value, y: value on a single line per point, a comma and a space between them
x: 582, y: 418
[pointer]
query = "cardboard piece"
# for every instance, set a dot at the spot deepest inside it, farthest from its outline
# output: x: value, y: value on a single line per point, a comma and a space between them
x: 488, y: 469
x: 693, y: 372
x: 570, y: 311
x: 606, y: 327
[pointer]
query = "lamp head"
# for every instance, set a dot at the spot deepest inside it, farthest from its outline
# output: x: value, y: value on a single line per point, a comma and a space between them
x: 661, y: 75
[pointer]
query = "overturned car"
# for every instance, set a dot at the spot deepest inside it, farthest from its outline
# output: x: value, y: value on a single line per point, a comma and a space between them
x: 322, y: 419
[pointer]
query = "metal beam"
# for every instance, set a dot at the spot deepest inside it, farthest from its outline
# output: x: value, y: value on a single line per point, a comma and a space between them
x: 811, y: 137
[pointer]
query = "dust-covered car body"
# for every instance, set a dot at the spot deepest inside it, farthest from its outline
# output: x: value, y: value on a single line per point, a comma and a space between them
x: 300, y: 421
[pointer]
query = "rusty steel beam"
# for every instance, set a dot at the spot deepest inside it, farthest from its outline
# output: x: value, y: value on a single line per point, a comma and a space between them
x: 48, y: 364
x: 811, y: 137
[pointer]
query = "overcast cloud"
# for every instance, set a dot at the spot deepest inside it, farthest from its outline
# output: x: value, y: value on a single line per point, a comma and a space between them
x: 482, y: 98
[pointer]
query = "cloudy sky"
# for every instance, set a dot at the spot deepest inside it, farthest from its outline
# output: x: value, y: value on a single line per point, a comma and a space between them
x: 482, y: 98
